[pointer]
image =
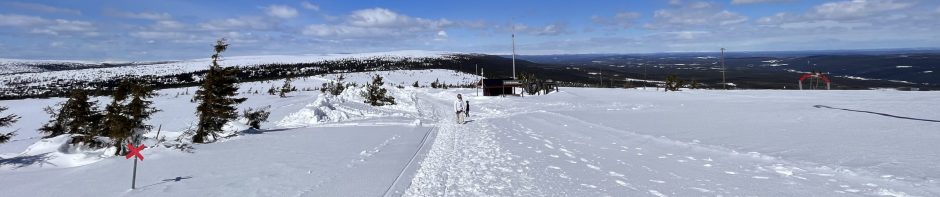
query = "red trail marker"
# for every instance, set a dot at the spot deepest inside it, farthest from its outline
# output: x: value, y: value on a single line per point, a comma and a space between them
x: 134, y: 152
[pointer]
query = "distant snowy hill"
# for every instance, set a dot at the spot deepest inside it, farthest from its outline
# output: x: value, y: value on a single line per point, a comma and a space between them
x: 40, y: 78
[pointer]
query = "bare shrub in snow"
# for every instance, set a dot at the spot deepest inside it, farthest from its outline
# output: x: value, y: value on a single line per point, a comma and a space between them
x: 335, y: 87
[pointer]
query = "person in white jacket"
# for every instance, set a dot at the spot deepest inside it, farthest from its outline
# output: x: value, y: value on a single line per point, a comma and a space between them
x: 459, y: 107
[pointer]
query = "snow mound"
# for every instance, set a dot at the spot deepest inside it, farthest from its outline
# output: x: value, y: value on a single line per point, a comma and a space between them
x: 56, y: 152
x: 349, y: 106
x: 320, y: 111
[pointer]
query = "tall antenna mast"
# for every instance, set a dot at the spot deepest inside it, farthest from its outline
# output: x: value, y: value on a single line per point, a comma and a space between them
x: 723, y: 83
x: 514, y: 51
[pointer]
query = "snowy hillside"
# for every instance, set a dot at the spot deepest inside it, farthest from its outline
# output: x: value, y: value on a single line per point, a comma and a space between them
x: 577, y: 142
x: 26, y: 78
x: 187, y: 66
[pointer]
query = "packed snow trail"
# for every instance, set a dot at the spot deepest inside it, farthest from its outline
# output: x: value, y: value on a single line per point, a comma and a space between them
x: 559, y: 145
x: 466, y: 160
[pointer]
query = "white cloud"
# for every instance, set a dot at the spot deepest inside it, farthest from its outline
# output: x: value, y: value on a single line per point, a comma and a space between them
x: 141, y: 15
x: 241, y: 23
x: 168, y: 25
x: 694, y: 15
x: 67, y: 25
x: 377, y: 23
x: 621, y: 19
x: 41, y: 8
x: 381, y: 17
x: 441, y: 36
x: 857, y: 8
x: 552, y: 29
x: 824, y: 24
x: 687, y: 35
x: 158, y: 35
x: 50, y: 27
x: 44, y: 31
x: 20, y: 20
x: 740, y: 2
x: 310, y: 6
x: 281, y: 11
x: 347, y: 31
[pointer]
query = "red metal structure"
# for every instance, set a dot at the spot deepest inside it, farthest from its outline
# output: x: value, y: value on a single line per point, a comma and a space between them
x: 815, y: 76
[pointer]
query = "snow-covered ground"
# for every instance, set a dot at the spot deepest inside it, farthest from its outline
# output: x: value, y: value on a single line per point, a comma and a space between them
x: 577, y: 142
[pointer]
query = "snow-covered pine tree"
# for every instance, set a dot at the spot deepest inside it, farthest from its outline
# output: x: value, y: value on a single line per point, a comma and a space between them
x: 216, y: 97
x: 76, y: 116
x: 7, y: 121
x: 375, y: 93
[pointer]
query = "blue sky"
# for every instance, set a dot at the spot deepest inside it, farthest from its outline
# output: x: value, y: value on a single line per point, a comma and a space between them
x: 160, y: 30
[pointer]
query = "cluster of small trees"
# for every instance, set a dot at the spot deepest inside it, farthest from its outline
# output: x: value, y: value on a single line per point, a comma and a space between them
x: 334, y: 87
x: 673, y: 83
x: 438, y: 84
x: 286, y: 88
x: 122, y: 120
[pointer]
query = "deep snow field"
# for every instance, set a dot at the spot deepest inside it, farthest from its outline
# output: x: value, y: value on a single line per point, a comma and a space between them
x: 576, y: 142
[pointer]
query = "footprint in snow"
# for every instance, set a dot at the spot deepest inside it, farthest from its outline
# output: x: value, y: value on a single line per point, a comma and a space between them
x: 589, y: 186
x: 615, y: 174
x: 593, y: 167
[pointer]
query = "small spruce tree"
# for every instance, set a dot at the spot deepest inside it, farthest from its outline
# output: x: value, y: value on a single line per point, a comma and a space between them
x: 272, y: 90
x: 76, y: 116
x: 375, y: 93
x: 216, y: 97
x: 286, y: 88
x: 256, y: 116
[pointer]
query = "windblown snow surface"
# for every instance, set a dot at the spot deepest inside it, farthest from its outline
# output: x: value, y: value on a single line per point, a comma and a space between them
x: 576, y: 142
